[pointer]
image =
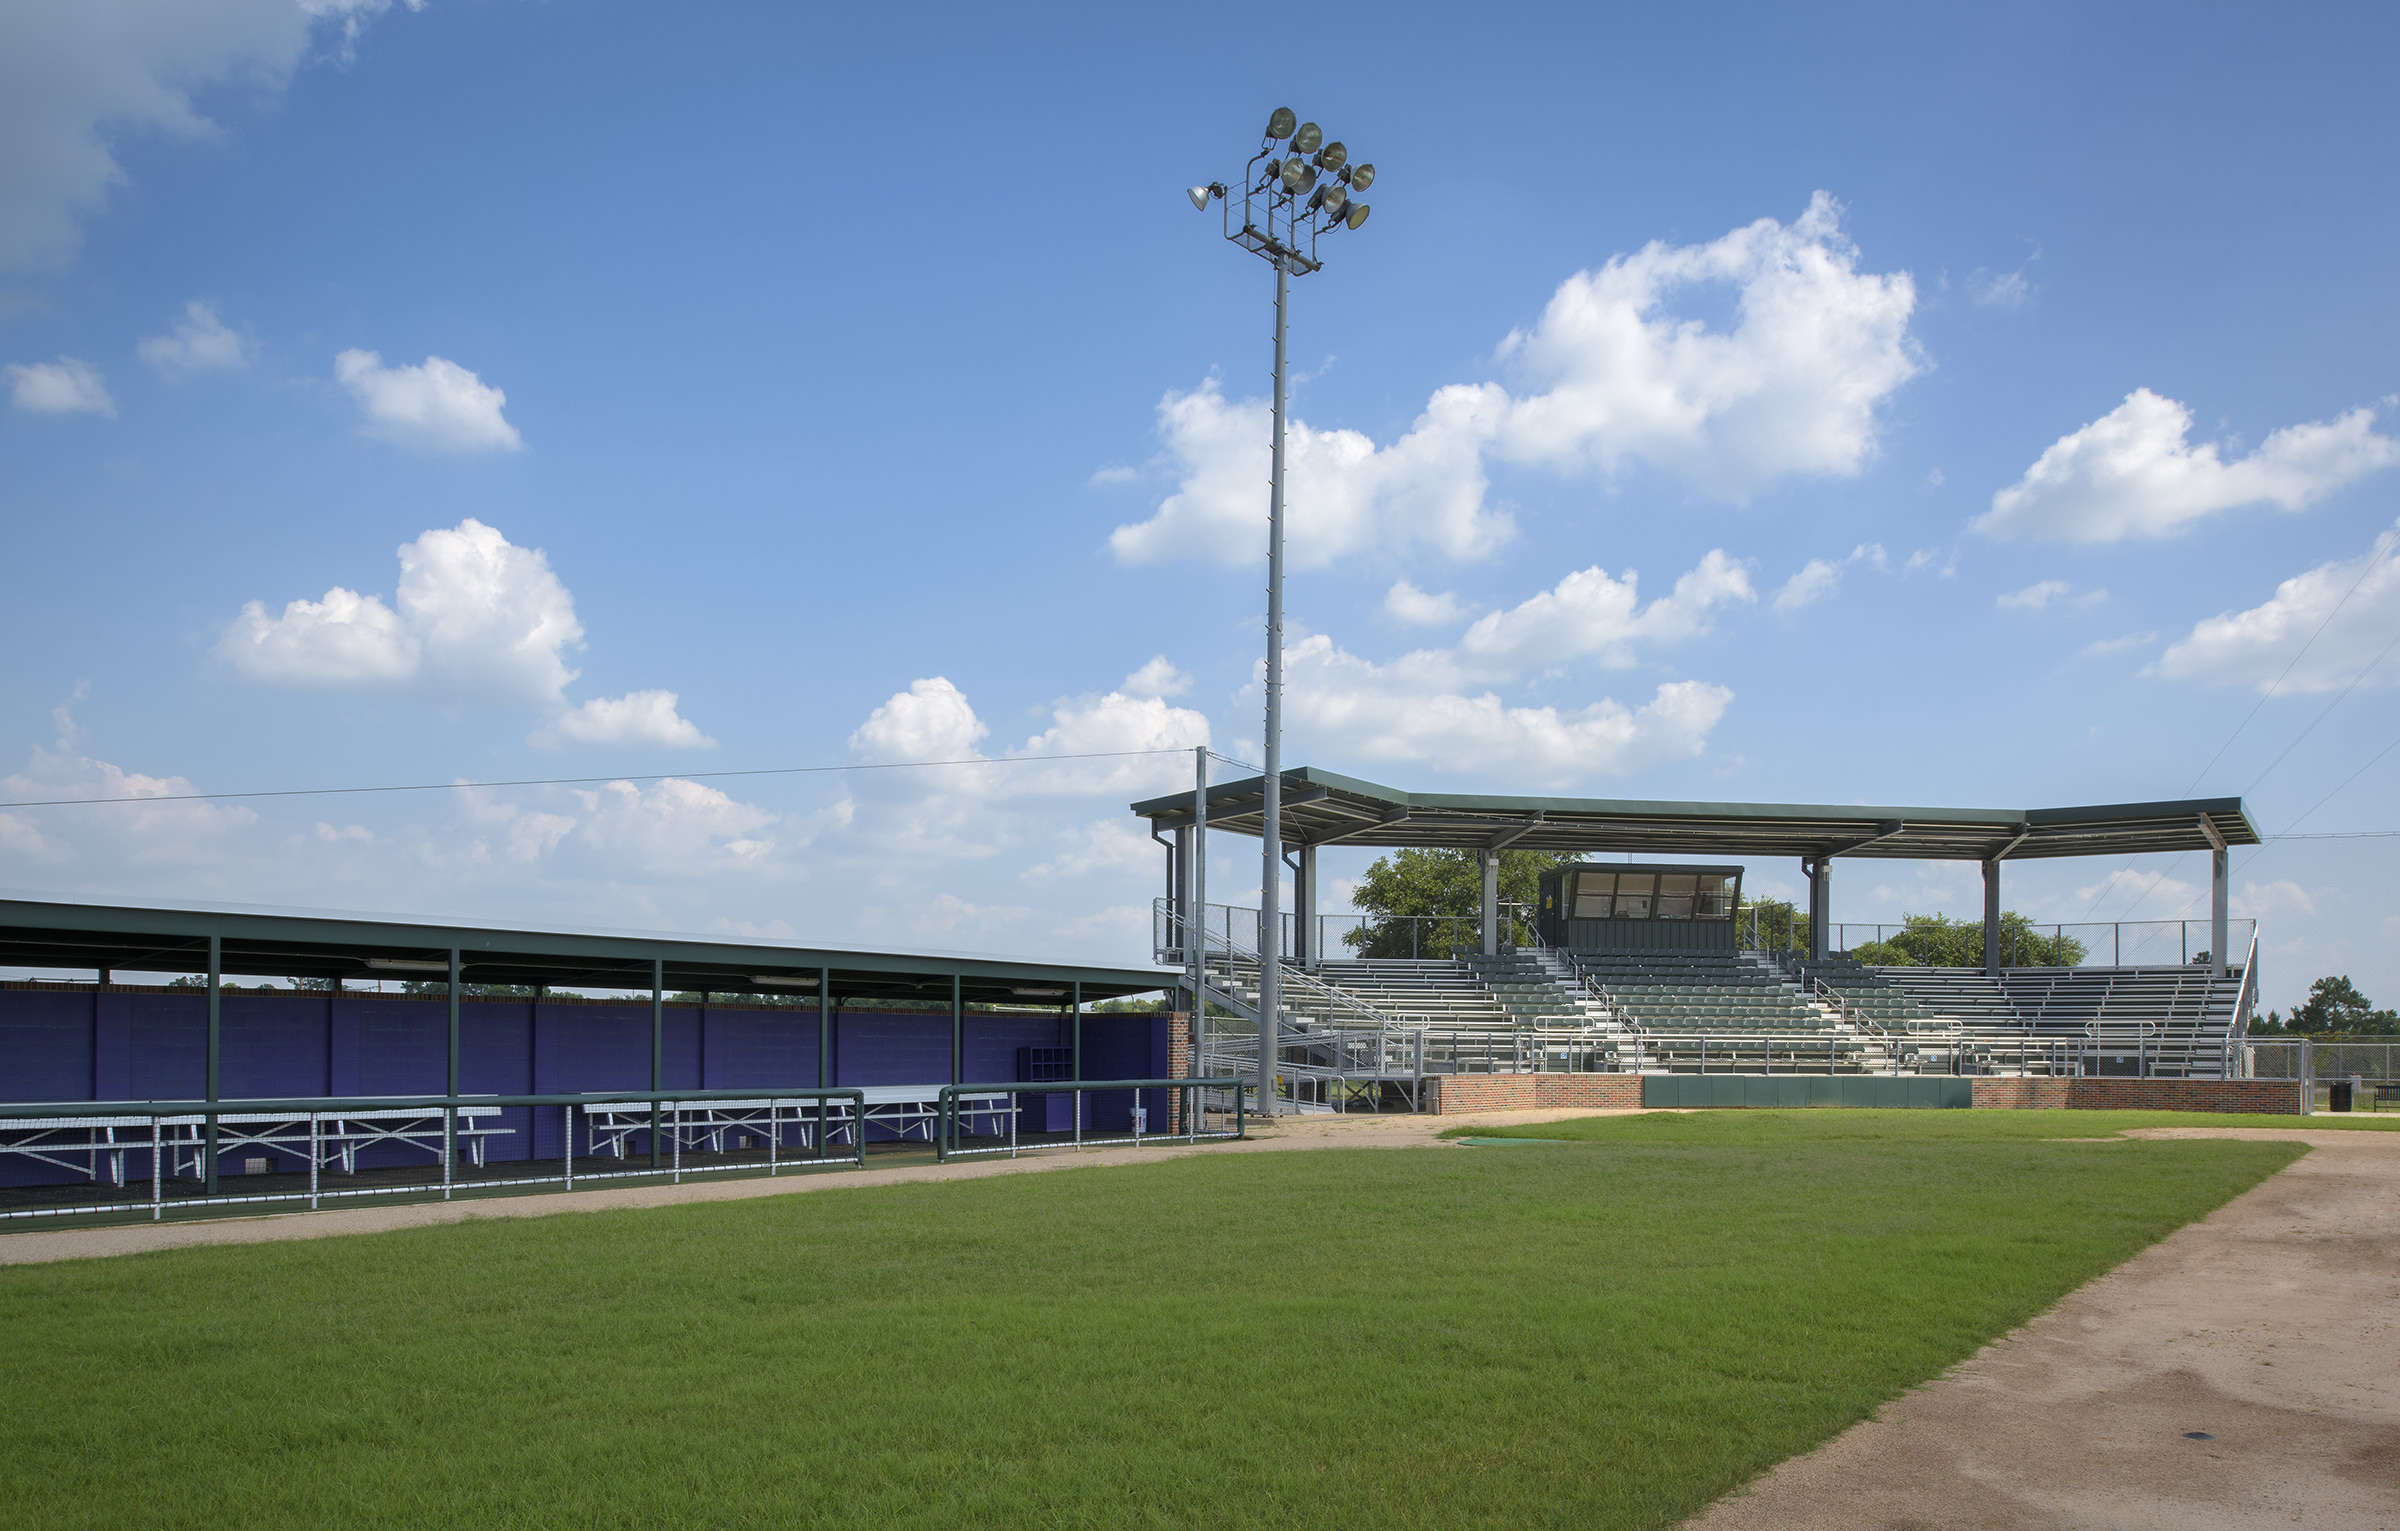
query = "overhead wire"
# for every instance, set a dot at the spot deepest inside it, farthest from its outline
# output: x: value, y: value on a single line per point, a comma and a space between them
x: 582, y: 781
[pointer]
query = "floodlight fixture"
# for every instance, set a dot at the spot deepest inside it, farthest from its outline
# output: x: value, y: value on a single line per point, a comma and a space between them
x: 1293, y: 170
x: 1332, y: 196
x: 1281, y: 123
x: 1308, y: 138
x: 1332, y: 157
x: 1199, y: 196
x: 1357, y: 215
x: 1360, y: 177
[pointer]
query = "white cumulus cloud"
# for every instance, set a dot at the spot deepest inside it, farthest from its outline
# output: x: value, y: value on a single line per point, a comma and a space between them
x: 62, y: 387
x: 199, y: 342
x: 2356, y: 603
x: 637, y: 717
x: 476, y: 619
x: 1120, y: 746
x: 1819, y: 578
x: 1404, y: 602
x: 1609, y: 374
x: 437, y: 405
x: 2041, y: 595
x: 76, y: 77
x: 1404, y: 712
x: 1589, y: 614
x: 2135, y: 473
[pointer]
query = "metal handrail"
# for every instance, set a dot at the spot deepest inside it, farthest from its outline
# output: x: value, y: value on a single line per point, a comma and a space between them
x: 947, y: 1113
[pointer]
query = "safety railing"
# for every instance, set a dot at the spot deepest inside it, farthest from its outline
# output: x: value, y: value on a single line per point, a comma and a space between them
x: 958, y: 1112
x: 2119, y: 943
x: 1341, y: 937
x: 320, y: 1127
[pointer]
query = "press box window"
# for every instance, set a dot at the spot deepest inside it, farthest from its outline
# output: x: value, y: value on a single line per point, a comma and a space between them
x: 1595, y: 895
x: 1675, y: 891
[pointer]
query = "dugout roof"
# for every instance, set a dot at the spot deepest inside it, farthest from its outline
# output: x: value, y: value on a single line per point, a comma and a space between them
x: 1321, y: 808
x: 255, y: 942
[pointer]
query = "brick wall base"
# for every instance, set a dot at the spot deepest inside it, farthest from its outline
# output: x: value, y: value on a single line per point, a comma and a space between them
x: 2273, y: 1097
x: 1466, y: 1094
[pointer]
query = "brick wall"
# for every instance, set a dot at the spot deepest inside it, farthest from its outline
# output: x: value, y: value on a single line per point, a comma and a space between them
x: 2276, y: 1097
x: 1179, y: 1064
x: 1465, y: 1094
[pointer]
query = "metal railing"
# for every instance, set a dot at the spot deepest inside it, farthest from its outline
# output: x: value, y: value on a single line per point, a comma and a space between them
x: 1343, y: 936
x: 955, y: 1117
x: 202, y: 1121
x: 2119, y: 943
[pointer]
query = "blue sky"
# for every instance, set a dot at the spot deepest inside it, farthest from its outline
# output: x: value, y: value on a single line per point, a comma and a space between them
x: 1883, y: 405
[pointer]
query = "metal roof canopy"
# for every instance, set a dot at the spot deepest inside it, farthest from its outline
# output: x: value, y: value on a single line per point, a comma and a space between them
x: 1321, y: 808
x: 257, y: 943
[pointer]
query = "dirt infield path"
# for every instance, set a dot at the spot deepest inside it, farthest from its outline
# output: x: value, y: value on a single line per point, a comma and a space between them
x: 1301, y: 1133
x: 2272, y: 1326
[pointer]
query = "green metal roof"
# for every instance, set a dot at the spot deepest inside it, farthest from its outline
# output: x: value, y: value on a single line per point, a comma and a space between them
x: 142, y: 938
x: 1321, y: 808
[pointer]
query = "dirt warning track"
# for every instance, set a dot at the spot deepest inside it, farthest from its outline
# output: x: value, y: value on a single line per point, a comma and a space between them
x: 2244, y: 1371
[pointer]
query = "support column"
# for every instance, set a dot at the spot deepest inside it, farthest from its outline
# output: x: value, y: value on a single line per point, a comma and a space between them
x: 216, y: 1037
x: 658, y: 1046
x: 1304, y: 900
x: 1075, y: 1033
x: 1820, y: 907
x: 1489, y: 861
x: 825, y: 1014
x: 1991, y: 918
x: 958, y: 1031
x: 450, y: 1075
x: 2220, y: 960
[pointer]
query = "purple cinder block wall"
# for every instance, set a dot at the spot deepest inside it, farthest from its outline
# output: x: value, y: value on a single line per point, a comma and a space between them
x: 139, y: 1045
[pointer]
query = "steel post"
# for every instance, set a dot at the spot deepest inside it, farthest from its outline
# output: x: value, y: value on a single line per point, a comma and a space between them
x: 2218, y: 881
x: 450, y: 1062
x: 958, y: 1031
x: 1490, y: 864
x: 825, y: 1014
x: 658, y: 1047
x: 1270, y: 896
x: 1991, y: 918
x: 216, y: 1037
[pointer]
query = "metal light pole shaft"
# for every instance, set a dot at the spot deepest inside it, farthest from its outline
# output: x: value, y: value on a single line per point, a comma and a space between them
x: 1270, y: 898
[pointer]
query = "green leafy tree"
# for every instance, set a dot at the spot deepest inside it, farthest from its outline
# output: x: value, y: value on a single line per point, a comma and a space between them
x: 1933, y: 940
x: 1441, y: 884
x: 439, y: 988
x: 1771, y: 925
x: 2335, y: 1008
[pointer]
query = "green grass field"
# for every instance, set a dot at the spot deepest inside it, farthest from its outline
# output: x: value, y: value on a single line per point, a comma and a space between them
x: 1604, y: 1334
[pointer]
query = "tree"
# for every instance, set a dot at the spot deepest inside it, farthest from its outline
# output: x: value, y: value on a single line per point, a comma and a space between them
x: 1933, y: 940
x: 1771, y: 925
x: 2335, y: 1008
x: 439, y: 988
x: 1439, y: 884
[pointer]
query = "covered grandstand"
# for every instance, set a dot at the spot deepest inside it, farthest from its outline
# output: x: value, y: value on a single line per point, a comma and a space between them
x: 1656, y: 966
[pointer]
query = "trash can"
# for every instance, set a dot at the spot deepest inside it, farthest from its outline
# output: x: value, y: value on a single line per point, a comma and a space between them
x: 2339, y: 1093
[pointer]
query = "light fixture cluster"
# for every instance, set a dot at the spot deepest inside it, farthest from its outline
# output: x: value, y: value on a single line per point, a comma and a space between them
x: 1310, y: 177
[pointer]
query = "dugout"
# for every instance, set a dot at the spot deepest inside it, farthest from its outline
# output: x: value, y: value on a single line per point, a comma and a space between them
x: 487, y: 1019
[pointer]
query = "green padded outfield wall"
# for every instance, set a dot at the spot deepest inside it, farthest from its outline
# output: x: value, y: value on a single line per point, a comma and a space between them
x: 1712, y: 1090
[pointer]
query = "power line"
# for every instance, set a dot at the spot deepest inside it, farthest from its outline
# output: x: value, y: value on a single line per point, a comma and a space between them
x: 584, y: 781
x: 2383, y: 545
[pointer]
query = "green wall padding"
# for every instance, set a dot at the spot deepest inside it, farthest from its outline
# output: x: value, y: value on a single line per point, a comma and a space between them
x: 1690, y: 1091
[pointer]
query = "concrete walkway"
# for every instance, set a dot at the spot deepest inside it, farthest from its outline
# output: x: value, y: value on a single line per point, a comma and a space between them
x: 1290, y: 1133
x: 2272, y: 1327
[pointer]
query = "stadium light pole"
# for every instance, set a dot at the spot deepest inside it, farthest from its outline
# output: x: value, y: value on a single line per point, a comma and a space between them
x: 1296, y: 187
